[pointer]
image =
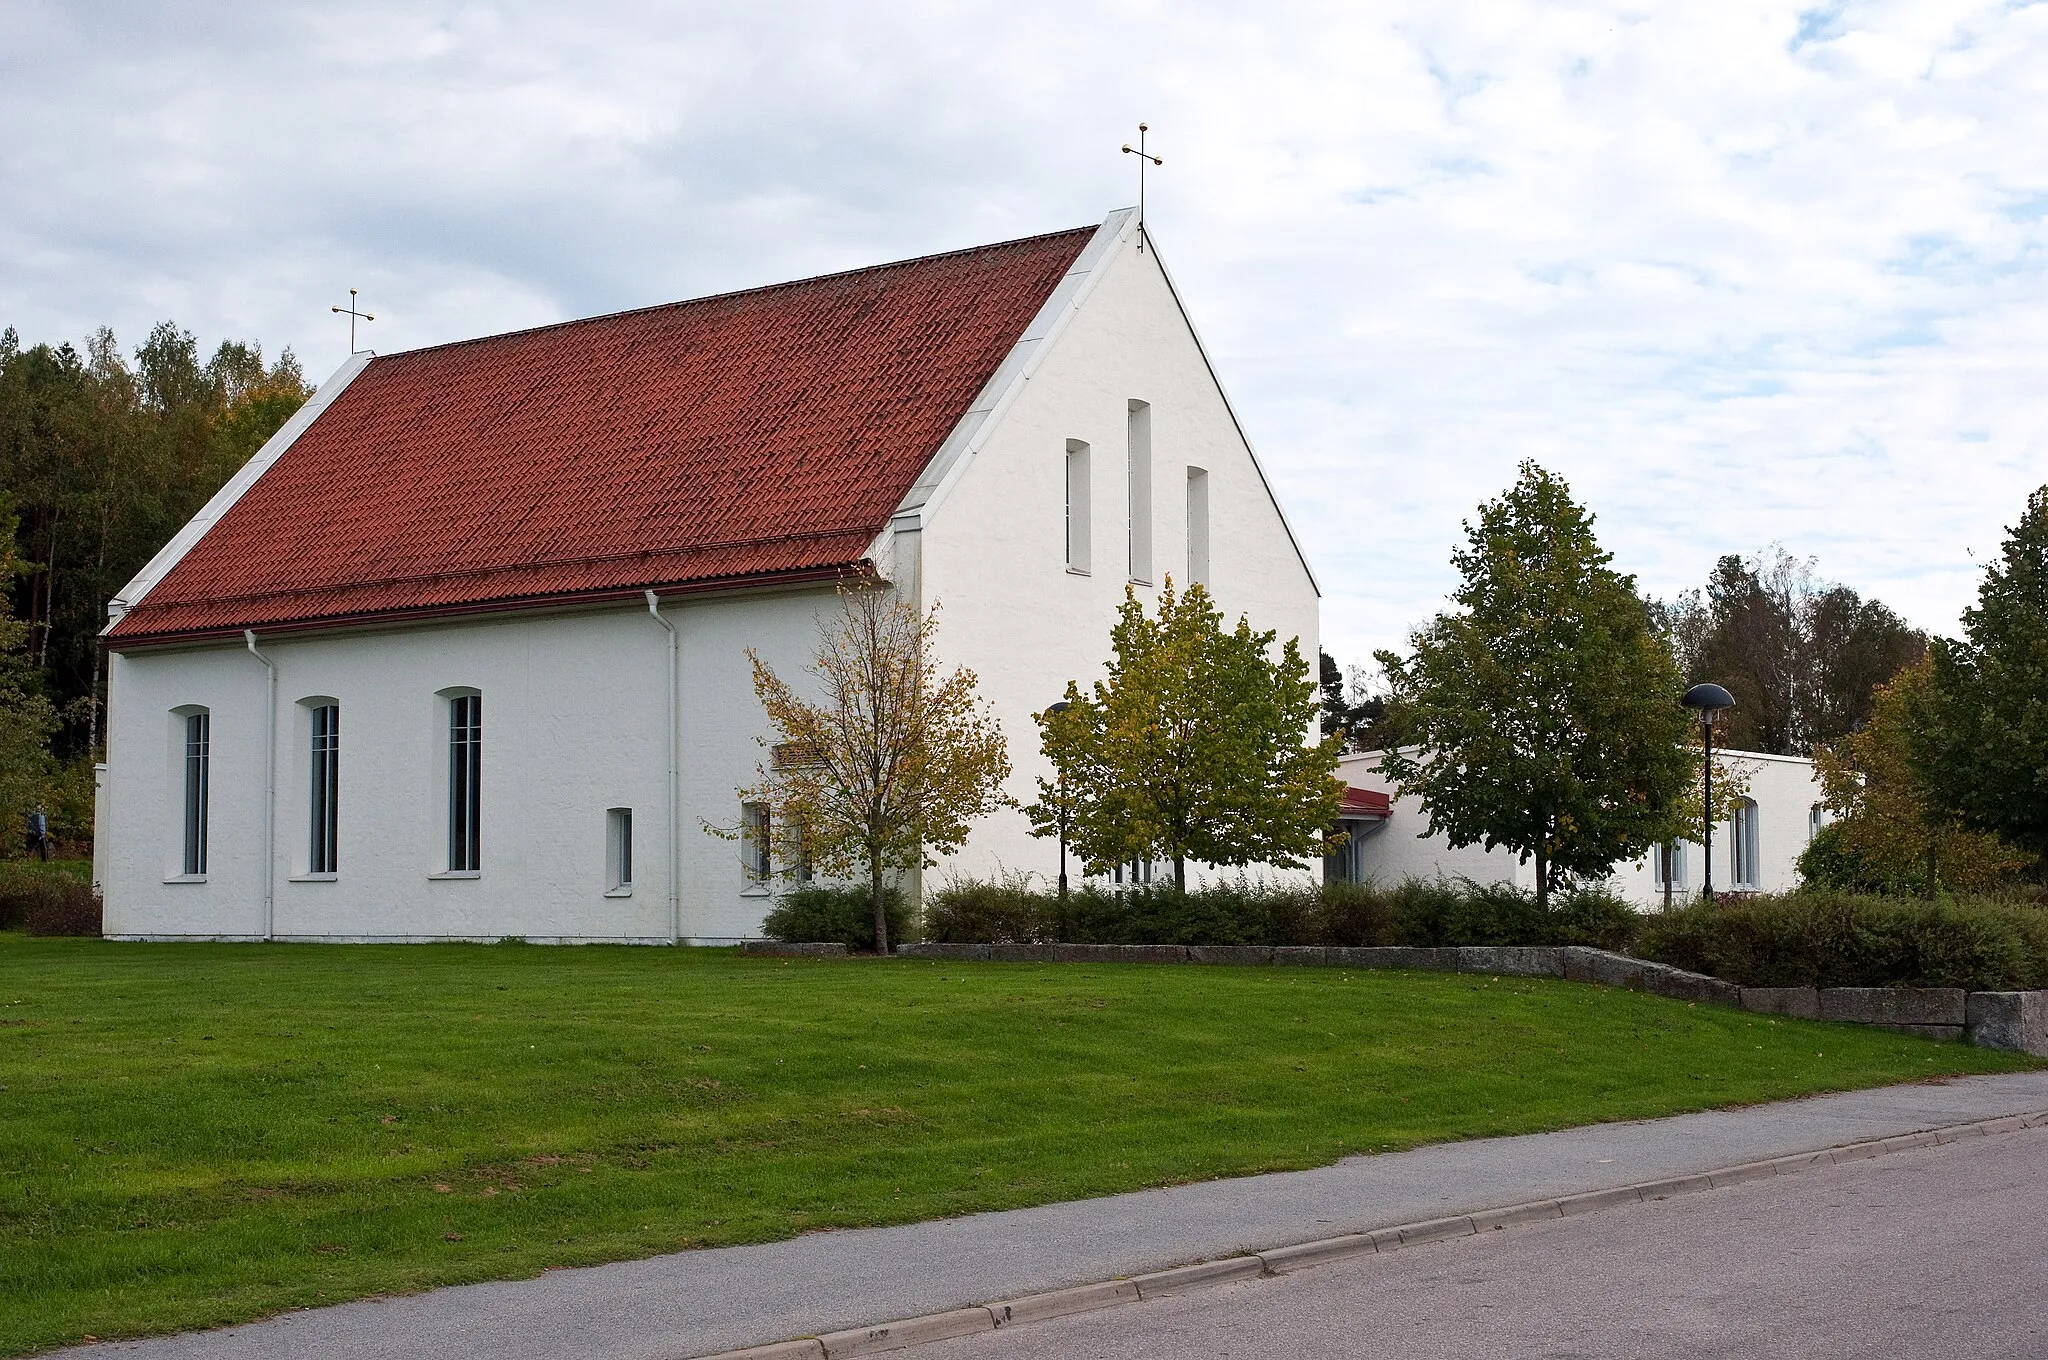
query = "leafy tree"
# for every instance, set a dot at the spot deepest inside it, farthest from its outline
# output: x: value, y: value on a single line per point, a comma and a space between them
x: 106, y: 460
x: 1542, y: 713
x: 27, y: 717
x: 1347, y: 708
x: 1892, y: 829
x: 891, y: 765
x: 1802, y: 658
x: 1985, y: 747
x: 1197, y: 746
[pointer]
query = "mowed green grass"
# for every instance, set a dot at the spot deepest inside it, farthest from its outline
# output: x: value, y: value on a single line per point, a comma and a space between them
x: 198, y: 1134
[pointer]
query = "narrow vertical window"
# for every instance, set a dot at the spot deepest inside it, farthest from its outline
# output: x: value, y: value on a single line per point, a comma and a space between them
x: 1668, y: 864
x: 1138, y: 492
x: 322, y: 848
x: 1816, y: 819
x: 198, y: 776
x: 465, y: 782
x: 756, y: 857
x: 1198, y: 526
x: 1079, y: 492
x: 618, y: 837
x: 1748, y: 849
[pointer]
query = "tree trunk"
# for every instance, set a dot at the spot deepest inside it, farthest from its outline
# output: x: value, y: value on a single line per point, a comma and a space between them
x: 875, y: 900
x: 1180, y: 871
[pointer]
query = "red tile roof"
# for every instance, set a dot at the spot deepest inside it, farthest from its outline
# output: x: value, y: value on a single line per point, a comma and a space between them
x: 764, y: 434
x: 1366, y: 803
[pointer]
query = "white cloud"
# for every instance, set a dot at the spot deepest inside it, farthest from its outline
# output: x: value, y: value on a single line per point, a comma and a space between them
x: 1741, y: 273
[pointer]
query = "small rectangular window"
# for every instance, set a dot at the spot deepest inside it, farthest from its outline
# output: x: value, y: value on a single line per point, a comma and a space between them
x: 756, y: 855
x: 1198, y: 526
x: 198, y: 776
x: 618, y: 837
x: 1816, y: 820
x: 1138, y: 491
x: 323, y: 847
x: 465, y: 782
x: 1079, y: 529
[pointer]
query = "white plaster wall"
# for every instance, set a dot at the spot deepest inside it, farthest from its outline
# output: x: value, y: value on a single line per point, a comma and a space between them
x: 574, y: 713
x: 1784, y: 788
x: 994, y: 548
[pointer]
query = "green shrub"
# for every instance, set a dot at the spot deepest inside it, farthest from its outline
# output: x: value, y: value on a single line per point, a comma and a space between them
x: 1242, y: 911
x: 1828, y: 938
x: 1829, y: 861
x: 836, y: 914
x: 975, y: 911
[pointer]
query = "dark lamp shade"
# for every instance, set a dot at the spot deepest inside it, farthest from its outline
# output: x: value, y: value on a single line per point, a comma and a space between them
x: 1708, y: 697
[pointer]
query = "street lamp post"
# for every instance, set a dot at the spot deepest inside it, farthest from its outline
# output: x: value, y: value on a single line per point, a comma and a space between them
x: 1709, y: 700
x: 1060, y: 785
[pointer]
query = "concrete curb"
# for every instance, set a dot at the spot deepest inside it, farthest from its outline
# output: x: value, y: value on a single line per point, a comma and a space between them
x: 889, y: 1336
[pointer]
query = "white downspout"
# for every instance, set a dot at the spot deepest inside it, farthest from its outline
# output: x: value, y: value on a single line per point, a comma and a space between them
x: 269, y: 790
x: 675, y: 800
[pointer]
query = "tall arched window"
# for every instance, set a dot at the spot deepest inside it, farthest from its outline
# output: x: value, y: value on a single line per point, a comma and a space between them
x: 1748, y: 849
x: 323, y: 796
x: 465, y: 781
x: 194, y: 731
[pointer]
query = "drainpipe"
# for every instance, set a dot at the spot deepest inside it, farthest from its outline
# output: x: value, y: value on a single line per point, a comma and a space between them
x: 269, y: 790
x: 675, y: 800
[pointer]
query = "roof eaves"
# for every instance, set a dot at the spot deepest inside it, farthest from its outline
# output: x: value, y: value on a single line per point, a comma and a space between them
x: 237, y: 486
x: 957, y: 450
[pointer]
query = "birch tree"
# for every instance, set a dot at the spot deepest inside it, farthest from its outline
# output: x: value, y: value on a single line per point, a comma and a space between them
x: 890, y: 764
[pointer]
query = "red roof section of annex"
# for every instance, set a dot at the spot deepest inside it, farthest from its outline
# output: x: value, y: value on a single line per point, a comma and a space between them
x: 760, y: 435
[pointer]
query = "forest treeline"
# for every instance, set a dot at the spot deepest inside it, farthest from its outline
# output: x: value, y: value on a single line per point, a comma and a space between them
x: 103, y: 457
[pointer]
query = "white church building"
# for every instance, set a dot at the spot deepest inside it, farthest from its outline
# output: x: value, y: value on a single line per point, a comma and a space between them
x: 461, y: 653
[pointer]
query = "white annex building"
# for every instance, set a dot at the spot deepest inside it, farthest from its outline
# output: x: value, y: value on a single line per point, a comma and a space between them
x: 1757, y: 840
x: 461, y: 652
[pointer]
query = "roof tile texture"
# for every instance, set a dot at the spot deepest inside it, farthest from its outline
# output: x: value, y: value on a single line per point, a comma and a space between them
x: 757, y: 434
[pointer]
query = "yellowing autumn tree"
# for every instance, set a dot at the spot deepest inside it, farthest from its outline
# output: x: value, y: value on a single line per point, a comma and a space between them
x: 1199, y: 745
x: 1893, y: 830
x: 891, y: 763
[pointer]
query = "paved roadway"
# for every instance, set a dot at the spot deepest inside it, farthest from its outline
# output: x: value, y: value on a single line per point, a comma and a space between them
x: 1935, y: 1252
x: 702, y: 1301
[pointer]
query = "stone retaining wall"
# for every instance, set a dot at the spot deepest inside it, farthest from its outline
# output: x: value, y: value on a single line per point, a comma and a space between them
x: 2008, y: 1020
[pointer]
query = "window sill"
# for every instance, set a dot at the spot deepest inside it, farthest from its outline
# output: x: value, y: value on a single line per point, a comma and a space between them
x: 458, y: 873
x: 1079, y: 571
x: 185, y: 878
x: 313, y: 878
x: 755, y: 890
x: 626, y: 891
x: 1139, y: 581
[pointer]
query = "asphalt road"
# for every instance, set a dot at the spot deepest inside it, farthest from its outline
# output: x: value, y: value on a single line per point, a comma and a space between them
x: 1935, y: 1252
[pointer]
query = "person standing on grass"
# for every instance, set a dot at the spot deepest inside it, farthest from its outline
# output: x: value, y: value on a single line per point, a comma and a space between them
x: 39, y: 835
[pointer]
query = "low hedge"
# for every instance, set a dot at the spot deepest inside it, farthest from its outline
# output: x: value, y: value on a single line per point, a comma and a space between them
x: 818, y: 913
x: 47, y: 901
x: 1418, y: 912
x: 1826, y: 938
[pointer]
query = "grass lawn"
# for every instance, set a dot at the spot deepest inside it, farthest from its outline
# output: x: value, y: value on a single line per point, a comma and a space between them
x: 198, y: 1134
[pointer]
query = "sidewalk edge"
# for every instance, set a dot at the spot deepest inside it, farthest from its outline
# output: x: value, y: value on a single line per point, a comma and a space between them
x: 1089, y: 1298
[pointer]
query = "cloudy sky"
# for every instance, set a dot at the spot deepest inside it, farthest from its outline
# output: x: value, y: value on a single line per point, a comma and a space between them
x: 1742, y: 273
